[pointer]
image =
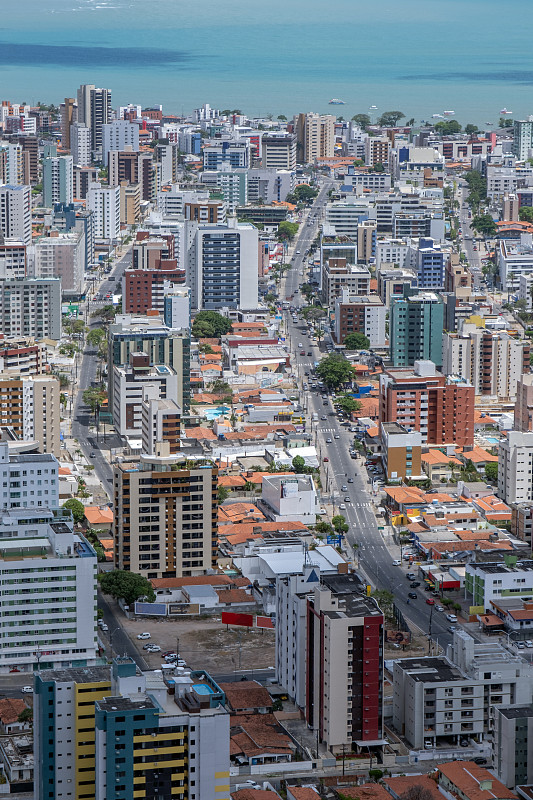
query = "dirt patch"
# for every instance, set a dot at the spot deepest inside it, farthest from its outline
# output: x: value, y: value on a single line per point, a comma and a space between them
x: 206, y: 643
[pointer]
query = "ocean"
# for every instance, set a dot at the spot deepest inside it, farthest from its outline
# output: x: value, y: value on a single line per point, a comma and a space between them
x: 417, y: 56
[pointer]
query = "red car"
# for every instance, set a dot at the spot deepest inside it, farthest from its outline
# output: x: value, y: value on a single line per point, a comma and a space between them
x: 430, y: 601
x: 325, y: 458
x: 302, y: 352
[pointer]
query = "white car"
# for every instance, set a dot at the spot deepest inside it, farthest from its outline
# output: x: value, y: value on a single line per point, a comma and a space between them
x: 396, y: 562
x: 104, y: 627
x: 144, y: 635
x: 27, y: 690
x: 451, y: 617
x: 153, y: 648
x: 439, y: 608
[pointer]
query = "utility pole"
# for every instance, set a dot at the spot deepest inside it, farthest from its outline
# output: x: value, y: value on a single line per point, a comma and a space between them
x: 177, y: 646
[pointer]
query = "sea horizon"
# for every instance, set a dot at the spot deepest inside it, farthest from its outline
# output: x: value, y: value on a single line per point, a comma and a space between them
x: 418, y: 57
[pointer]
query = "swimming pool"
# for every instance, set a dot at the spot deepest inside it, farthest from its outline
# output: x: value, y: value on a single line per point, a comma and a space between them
x: 213, y: 413
x: 492, y: 439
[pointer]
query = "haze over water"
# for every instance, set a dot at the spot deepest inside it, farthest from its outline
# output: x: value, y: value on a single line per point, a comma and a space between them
x: 419, y: 56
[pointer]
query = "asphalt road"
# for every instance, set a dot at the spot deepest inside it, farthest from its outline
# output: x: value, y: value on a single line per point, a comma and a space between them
x: 116, y: 637
x: 375, y: 558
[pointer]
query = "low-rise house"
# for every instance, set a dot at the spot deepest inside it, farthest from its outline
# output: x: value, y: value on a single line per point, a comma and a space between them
x: 438, y: 466
x: 16, y: 753
x: 465, y: 780
x: 247, y: 697
x: 10, y: 710
x: 99, y: 517
x: 401, y: 784
x: 286, y: 498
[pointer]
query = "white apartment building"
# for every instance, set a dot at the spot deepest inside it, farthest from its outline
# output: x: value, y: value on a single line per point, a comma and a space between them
x: 15, y: 212
x: 117, y: 135
x: 315, y: 137
x: 28, y: 481
x: 515, y: 467
x: 523, y: 138
x: 80, y: 144
x: 158, y: 417
x: 41, y: 412
x: 496, y: 580
x: 512, y: 744
x: 31, y: 307
x: 345, y: 216
x: 11, y: 163
x: 394, y: 251
x: 12, y: 258
x: 104, y: 202
x: 438, y: 698
x: 128, y: 386
x: 492, y: 361
x: 177, y: 307
x: 515, y: 259
x: 48, y: 573
x: 62, y: 255
x: 278, y: 150
x: 58, y: 180
x: 222, y: 265
x: 339, y: 277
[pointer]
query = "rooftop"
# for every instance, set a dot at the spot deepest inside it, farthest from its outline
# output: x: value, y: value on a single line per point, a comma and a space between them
x: 430, y: 670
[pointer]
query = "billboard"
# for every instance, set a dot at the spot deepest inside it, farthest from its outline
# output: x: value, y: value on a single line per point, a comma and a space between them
x: 398, y: 637
x: 231, y: 618
x: 264, y: 622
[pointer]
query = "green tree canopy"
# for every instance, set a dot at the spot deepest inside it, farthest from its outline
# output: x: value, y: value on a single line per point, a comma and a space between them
x: 339, y: 523
x: 96, y: 336
x: 77, y: 508
x: 389, y: 119
x: 298, y: 463
x: 491, y: 471
x: 348, y: 404
x: 484, y: 224
x: 470, y: 129
x: 222, y: 494
x: 335, y: 370
x: 26, y: 715
x: 525, y: 214
x: 356, y: 341
x: 107, y: 313
x: 73, y: 326
x: 363, y: 120
x: 94, y: 397
x: 282, y: 117
x: 127, y: 586
x: 448, y: 126
x: 210, y: 324
x: 287, y: 231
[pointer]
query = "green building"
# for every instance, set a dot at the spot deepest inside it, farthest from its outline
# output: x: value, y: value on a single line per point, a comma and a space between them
x: 415, y: 329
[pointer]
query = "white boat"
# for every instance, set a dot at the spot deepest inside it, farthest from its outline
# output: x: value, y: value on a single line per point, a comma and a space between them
x: 448, y: 113
x: 436, y: 116
x: 504, y: 111
x: 336, y: 102
x: 373, y: 108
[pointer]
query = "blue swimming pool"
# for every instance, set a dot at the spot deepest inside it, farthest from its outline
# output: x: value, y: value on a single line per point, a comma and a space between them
x: 213, y: 413
x: 492, y: 439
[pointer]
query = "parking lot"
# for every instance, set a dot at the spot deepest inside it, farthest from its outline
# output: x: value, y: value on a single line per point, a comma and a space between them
x: 205, y: 643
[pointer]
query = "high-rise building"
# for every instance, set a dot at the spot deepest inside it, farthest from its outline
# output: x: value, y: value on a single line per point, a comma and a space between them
x: 315, y: 136
x: 80, y: 145
x: 177, y: 307
x: 401, y: 451
x: 145, y: 289
x: 377, y: 151
x: 104, y: 202
x: 101, y: 113
x: 62, y: 255
x: 84, y: 103
x: 416, y: 325
x: 160, y: 423
x: 523, y: 410
x: 57, y: 180
x: 67, y: 112
x: 31, y: 307
x: 512, y: 744
x: 278, y: 151
x: 493, y: 361
x: 515, y: 467
x: 165, y: 523
x: 30, y: 407
x: 30, y: 159
x: 222, y: 269
x: 119, y: 734
x: 117, y: 135
x: 344, y: 701
x: 11, y: 163
x: 523, y: 138
x: 15, y: 212
x: 128, y: 390
x: 366, y: 315
x: 49, y: 580
x: 424, y: 400
x: 162, y: 344
x: 12, y: 258
x: 428, y: 262
x: 231, y: 154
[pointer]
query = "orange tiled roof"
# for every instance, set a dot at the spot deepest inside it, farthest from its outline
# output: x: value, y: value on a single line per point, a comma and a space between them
x: 219, y: 580
x: 477, y: 455
x: 10, y: 708
x: 438, y: 457
x: 98, y: 516
x: 237, y: 512
x: 230, y: 596
x: 231, y: 481
x: 467, y: 777
x: 401, y: 784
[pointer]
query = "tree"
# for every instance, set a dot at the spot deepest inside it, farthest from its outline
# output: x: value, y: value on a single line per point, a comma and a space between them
x: 389, y: 119
x: 385, y: 600
x: 484, y: 224
x: 448, y: 126
x: 282, y: 117
x: 378, y: 167
x: 323, y: 528
x: 505, y: 123
x: 356, y: 341
x: 491, y: 471
x: 471, y: 129
x: 339, y: 524
x: 94, y: 397
x: 525, y: 214
x: 348, y: 404
x: 335, y: 370
x: 363, y: 120
x: 303, y: 193
x: 417, y: 792
x: 106, y: 313
x: 210, y: 324
x: 298, y: 463
x: 96, y: 336
x: 222, y: 494
x: 127, y: 586
x: 375, y: 774
x: 77, y: 508
x: 287, y: 231
x: 26, y: 715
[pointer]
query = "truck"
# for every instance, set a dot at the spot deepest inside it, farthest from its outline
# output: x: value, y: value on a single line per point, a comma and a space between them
x: 314, y: 416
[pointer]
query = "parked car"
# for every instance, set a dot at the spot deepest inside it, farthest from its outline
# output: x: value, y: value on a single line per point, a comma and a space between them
x: 439, y: 608
x: 413, y: 595
x: 428, y: 744
x: 396, y: 563
x: 451, y: 617
x: 27, y: 690
x: 104, y: 627
x: 479, y: 760
x: 430, y: 601
x: 414, y: 584
x: 528, y: 643
x: 144, y: 635
x: 153, y: 648
x: 464, y: 743
x: 410, y: 576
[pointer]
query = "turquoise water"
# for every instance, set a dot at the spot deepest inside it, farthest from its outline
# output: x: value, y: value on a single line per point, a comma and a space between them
x: 420, y: 56
x: 213, y: 413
